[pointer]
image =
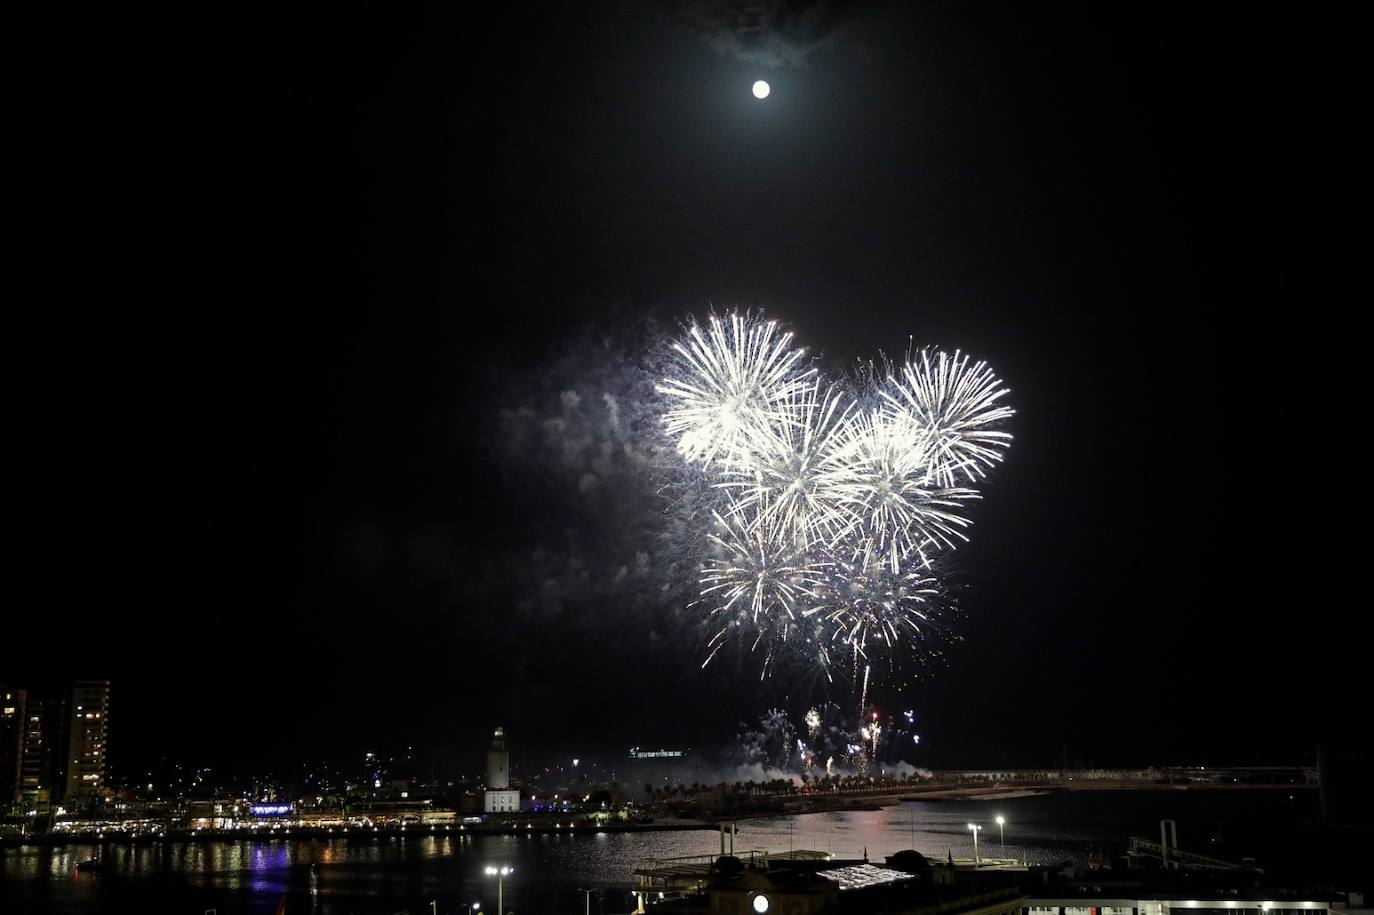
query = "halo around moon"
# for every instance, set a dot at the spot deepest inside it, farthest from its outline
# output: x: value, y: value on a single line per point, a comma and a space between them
x: 761, y: 89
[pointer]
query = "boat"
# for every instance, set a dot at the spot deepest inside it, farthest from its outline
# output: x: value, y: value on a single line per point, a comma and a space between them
x: 89, y: 866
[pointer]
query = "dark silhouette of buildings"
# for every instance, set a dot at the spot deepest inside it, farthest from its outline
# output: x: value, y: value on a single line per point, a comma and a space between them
x: 53, y: 745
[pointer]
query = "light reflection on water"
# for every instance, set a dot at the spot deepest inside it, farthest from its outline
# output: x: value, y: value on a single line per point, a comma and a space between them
x: 359, y: 875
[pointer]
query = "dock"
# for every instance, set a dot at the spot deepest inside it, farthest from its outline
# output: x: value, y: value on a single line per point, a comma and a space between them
x: 688, y: 874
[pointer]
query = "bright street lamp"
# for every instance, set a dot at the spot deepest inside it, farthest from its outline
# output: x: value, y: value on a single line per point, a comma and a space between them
x: 975, y: 829
x: 472, y: 906
x: 500, y: 873
x: 1002, y: 836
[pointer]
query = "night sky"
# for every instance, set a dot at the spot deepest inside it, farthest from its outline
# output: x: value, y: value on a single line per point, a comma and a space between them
x: 297, y: 271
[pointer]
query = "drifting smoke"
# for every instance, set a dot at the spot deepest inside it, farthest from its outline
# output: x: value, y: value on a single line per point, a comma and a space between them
x: 582, y: 441
x: 765, y: 33
x: 827, y: 743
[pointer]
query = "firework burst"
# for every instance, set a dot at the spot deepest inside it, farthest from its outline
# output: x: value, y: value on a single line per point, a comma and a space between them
x: 888, y: 487
x: 955, y: 401
x: 788, y: 483
x: 731, y: 381
x: 822, y: 510
x: 759, y: 586
x: 875, y: 609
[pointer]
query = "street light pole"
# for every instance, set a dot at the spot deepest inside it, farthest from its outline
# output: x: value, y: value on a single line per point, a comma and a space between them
x: 588, y: 894
x: 1001, y: 835
x: 975, y: 829
x: 500, y: 874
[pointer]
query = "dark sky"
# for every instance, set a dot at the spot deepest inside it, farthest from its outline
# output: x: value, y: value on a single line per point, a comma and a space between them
x: 291, y: 268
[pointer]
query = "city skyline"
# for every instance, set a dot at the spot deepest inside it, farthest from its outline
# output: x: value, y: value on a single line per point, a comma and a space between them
x: 59, y: 738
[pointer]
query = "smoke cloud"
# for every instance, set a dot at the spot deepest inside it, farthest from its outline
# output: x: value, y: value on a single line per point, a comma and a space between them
x: 766, y: 33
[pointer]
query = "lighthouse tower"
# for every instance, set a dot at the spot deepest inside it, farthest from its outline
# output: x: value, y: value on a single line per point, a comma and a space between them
x: 498, y: 761
x: 499, y: 796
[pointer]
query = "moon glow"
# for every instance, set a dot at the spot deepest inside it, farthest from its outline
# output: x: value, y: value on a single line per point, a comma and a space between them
x: 760, y: 90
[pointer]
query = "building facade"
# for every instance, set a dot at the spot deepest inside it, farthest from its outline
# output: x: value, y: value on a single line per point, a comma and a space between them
x: 13, y: 705
x: 1099, y: 900
x: 87, y: 771
x: 42, y: 773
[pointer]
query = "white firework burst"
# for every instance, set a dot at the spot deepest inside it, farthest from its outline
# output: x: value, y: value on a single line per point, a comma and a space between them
x: 889, y: 488
x: 761, y: 588
x: 874, y: 610
x: 787, y: 482
x: 729, y: 381
x: 824, y: 510
x: 957, y: 402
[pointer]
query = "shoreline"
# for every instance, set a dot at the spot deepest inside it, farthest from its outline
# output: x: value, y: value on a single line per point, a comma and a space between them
x: 350, y: 834
x: 790, y: 807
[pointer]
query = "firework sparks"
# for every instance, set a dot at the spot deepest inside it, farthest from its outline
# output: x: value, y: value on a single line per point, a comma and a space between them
x: 826, y: 508
x: 889, y: 488
x: 874, y: 609
x: 759, y: 584
x: 956, y: 402
x: 788, y: 481
x: 731, y: 381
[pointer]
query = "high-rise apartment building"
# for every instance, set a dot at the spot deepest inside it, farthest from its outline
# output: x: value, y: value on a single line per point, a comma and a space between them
x: 87, y: 748
x: 13, y: 704
x: 42, y: 772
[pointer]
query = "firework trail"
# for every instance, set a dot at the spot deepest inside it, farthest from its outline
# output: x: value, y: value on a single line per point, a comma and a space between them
x: 824, y: 507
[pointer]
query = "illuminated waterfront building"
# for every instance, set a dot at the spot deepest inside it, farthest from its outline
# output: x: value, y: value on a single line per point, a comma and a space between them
x: 88, y: 748
x: 13, y: 703
x: 42, y: 774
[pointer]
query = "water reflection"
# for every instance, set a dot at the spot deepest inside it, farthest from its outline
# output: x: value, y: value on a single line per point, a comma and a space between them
x: 361, y: 874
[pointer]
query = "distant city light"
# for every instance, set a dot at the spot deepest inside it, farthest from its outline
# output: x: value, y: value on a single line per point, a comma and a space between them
x: 270, y: 810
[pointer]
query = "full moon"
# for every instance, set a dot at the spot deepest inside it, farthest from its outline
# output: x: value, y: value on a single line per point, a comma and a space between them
x: 760, y: 89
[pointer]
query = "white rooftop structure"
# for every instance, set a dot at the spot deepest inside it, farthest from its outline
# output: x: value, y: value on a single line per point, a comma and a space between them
x: 858, y: 876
